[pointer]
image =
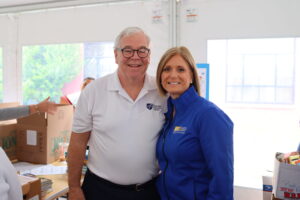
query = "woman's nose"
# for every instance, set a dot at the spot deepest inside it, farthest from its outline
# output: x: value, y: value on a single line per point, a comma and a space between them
x: 173, y: 73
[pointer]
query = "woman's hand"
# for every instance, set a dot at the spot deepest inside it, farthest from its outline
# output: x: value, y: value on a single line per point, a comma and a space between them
x: 44, y: 106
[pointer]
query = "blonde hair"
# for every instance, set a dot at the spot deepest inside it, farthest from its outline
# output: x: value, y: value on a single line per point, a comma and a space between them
x: 187, y: 56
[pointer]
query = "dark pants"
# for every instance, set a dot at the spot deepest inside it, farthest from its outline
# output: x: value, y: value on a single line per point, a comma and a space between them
x: 97, y: 188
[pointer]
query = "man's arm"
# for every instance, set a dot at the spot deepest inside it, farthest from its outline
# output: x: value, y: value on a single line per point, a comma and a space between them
x: 75, y: 159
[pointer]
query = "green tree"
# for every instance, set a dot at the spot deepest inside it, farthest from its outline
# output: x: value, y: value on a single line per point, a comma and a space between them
x: 46, y: 68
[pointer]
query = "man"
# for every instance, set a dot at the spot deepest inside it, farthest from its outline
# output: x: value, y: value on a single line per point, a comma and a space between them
x: 120, y: 116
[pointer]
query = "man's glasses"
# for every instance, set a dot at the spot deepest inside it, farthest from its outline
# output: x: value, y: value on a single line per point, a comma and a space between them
x: 129, y: 52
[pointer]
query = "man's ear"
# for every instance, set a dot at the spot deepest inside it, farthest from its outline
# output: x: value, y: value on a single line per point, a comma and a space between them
x: 116, y: 54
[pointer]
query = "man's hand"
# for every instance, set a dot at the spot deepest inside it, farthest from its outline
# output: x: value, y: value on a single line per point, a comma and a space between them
x: 75, y: 193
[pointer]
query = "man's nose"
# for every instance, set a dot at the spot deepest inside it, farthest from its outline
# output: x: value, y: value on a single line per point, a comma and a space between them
x: 135, y: 54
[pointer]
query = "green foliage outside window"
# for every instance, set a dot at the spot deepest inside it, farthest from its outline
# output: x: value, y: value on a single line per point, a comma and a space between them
x: 1, y: 75
x: 47, y: 68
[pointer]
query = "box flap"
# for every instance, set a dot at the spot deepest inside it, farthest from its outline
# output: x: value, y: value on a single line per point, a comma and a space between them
x: 8, y: 105
x: 31, y: 187
x: 25, y: 183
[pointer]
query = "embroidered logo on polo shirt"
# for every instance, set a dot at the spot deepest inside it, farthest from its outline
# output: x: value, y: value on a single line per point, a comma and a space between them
x: 151, y: 106
x: 179, y: 130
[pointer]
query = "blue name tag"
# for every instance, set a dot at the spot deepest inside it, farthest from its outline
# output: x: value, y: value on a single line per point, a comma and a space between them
x: 267, y: 188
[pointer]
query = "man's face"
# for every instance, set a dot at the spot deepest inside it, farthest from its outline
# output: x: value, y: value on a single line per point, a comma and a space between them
x: 133, y: 67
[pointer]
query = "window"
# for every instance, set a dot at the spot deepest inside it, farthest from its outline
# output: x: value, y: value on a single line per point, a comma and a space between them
x: 254, y: 82
x: 260, y: 71
x: 99, y: 59
x: 1, y: 75
x: 56, y: 70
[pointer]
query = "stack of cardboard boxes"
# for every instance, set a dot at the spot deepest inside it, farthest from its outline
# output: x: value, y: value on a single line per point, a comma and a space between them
x: 36, y: 139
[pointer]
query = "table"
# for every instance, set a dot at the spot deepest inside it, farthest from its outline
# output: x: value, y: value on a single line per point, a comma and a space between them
x: 60, y: 183
x: 59, y: 187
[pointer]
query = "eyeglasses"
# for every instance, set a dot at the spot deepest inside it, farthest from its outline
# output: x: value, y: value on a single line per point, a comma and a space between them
x: 129, y: 52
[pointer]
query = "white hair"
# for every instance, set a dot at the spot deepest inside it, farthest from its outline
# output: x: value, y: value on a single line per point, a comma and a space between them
x: 129, y: 31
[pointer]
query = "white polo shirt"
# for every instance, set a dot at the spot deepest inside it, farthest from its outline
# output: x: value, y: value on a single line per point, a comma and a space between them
x: 123, y: 131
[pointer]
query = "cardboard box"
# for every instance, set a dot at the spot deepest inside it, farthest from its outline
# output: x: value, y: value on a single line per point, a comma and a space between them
x: 8, y: 140
x: 8, y: 134
x: 267, y: 185
x: 39, y: 135
x: 31, y: 187
x: 286, y: 180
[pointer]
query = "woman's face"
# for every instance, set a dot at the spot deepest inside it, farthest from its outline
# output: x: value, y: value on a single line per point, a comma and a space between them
x: 176, y: 76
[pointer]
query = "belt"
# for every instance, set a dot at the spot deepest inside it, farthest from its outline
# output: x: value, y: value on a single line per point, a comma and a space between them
x: 132, y: 187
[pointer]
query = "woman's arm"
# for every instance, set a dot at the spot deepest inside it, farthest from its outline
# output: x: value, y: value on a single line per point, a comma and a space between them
x: 22, y: 111
x: 14, y: 112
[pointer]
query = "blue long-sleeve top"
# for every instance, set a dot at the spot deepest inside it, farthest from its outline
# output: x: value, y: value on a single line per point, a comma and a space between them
x: 13, y: 112
x: 195, y: 151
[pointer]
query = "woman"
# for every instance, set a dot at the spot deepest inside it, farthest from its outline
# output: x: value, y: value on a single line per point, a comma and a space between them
x: 195, y: 146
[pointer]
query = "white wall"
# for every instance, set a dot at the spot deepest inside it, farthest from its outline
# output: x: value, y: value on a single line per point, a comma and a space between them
x: 243, y: 193
x: 228, y: 19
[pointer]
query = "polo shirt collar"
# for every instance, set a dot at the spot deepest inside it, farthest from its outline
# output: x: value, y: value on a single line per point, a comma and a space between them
x: 115, y: 84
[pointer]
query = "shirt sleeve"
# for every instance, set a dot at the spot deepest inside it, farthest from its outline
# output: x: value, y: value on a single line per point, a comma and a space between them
x: 14, y: 112
x: 216, y: 137
x: 83, y: 116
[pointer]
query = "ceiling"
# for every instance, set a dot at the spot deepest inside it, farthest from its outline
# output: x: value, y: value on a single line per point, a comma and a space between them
x: 10, y: 3
x: 15, y: 6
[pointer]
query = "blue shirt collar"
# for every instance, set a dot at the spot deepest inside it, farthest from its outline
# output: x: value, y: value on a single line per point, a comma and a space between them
x: 182, y: 102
